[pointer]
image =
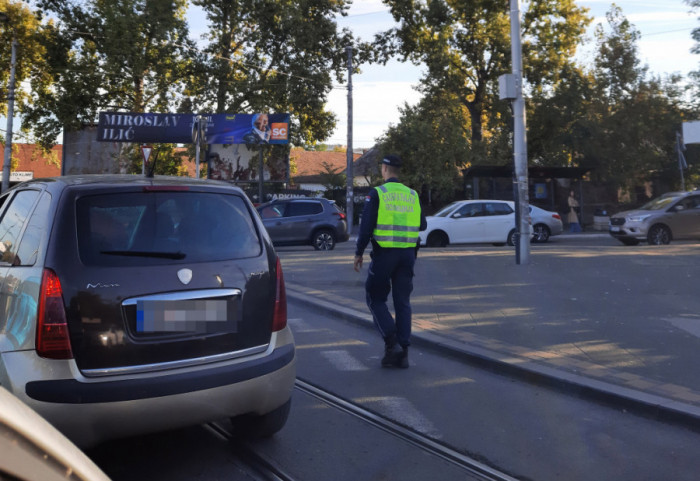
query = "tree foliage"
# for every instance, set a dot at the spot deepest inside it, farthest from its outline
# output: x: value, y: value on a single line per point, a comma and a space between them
x: 277, y: 56
x: 24, y: 26
x: 123, y: 55
x: 612, y: 118
x: 136, y: 55
x: 332, y: 178
x: 465, y: 45
x: 431, y: 140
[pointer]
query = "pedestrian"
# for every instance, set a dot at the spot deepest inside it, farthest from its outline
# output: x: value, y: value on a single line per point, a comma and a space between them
x: 391, y: 219
x: 574, y: 224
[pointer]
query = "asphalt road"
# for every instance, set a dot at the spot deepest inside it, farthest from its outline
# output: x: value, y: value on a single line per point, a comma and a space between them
x: 585, y: 310
x: 527, y: 431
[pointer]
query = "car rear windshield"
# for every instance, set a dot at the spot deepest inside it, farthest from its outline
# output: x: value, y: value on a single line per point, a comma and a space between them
x: 153, y: 228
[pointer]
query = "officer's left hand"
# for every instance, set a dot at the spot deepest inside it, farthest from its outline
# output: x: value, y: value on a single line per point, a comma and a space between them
x: 358, y: 263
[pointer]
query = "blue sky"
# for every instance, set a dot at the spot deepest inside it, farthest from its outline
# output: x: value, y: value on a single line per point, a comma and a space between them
x: 379, y: 91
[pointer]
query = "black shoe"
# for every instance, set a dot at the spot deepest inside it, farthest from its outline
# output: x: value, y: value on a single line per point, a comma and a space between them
x: 402, y: 359
x: 391, y: 355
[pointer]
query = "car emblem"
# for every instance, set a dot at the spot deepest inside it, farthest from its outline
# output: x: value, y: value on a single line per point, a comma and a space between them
x: 185, y: 276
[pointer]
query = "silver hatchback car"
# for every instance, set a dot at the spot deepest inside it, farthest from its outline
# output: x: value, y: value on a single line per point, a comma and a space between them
x: 132, y: 305
x: 673, y: 216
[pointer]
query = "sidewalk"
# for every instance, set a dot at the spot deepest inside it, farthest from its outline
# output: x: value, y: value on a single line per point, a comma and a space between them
x: 567, y: 319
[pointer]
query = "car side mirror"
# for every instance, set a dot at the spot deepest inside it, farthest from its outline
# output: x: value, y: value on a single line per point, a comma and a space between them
x: 679, y: 208
x: 456, y: 215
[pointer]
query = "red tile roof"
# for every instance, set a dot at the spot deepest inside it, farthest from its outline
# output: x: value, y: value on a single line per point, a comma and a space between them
x: 308, y: 163
x: 311, y: 163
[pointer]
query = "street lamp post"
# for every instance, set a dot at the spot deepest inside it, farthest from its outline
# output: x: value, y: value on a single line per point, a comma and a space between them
x: 349, y: 195
x: 10, y: 112
x: 519, y: 138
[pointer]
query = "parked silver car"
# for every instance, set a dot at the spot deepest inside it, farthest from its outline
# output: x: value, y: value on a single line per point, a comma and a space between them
x: 673, y: 216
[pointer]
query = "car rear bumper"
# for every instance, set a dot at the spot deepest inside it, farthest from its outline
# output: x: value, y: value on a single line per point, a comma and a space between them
x: 556, y: 229
x: 72, y: 391
x: 89, y: 410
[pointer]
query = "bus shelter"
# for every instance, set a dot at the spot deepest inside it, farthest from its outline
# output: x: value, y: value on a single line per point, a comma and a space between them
x: 548, y: 186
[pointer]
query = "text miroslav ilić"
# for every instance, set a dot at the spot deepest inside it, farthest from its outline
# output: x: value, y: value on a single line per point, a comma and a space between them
x: 121, y: 126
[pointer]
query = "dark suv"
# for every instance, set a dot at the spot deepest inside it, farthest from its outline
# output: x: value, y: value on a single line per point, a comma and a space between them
x: 132, y: 305
x: 318, y: 222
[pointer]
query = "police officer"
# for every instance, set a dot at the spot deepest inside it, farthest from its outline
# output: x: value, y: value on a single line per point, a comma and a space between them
x: 391, y: 219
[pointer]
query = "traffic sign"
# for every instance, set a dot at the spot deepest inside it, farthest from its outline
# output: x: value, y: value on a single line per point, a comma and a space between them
x: 146, y: 152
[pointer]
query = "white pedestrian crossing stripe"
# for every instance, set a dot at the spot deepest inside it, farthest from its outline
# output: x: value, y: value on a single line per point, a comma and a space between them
x: 401, y: 410
x: 343, y: 361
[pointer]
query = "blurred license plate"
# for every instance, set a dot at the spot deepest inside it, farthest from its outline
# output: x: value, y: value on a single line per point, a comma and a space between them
x: 199, y: 316
x: 614, y: 228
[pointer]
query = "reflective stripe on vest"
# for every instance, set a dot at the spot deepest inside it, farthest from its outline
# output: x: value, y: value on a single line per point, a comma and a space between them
x: 398, y: 216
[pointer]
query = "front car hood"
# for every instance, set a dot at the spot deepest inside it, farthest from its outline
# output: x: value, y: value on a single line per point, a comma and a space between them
x: 635, y: 212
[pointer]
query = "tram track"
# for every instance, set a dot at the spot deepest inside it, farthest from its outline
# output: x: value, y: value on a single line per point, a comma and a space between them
x: 425, y: 443
x: 257, y: 465
x: 266, y: 469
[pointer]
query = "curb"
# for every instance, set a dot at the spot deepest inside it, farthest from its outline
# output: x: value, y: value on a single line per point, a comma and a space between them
x: 645, y: 404
x: 563, y: 235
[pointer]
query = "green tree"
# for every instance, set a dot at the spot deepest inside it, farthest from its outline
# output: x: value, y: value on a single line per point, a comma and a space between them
x: 24, y: 26
x: 465, y: 45
x: 635, y: 116
x: 693, y: 153
x: 431, y: 140
x: 613, y: 118
x: 559, y: 124
x: 275, y: 56
x: 127, y: 55
x: 332, y: 178
x: 617, y: 65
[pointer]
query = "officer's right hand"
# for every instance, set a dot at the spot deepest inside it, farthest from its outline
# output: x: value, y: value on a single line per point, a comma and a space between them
x: 358, y: 263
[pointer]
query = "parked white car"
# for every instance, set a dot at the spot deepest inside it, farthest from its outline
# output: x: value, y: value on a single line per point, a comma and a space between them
x: 545, y: 224
x: 485, y: 221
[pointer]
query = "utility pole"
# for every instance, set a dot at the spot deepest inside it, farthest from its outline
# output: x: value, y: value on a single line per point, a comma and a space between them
x: 349, y: 197
x: 10, y: 114
x: 519, y: 138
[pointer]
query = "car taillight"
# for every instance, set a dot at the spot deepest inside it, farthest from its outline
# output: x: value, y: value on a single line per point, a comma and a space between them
x: 556, y: 216
x: 52, y: 340
x: 279, y: 317
x: 340, y: 215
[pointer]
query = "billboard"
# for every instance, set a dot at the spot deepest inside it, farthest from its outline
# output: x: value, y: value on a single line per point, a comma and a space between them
x: 240, y: 164
x: 177, y: 128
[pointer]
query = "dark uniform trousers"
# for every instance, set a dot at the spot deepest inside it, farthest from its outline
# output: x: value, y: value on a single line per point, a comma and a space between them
x: 391, y: 269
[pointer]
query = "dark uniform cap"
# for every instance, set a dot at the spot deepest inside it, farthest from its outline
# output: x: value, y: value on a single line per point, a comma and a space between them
x: 392, y: 160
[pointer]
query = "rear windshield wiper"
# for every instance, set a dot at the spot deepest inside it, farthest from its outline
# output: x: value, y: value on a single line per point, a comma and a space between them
x: 162, y: 255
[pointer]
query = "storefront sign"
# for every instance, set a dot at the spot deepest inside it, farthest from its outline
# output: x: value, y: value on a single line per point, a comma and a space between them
x: 19, y: 176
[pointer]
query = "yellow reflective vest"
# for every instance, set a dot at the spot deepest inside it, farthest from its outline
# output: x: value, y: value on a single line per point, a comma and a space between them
x: 398, y: 217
